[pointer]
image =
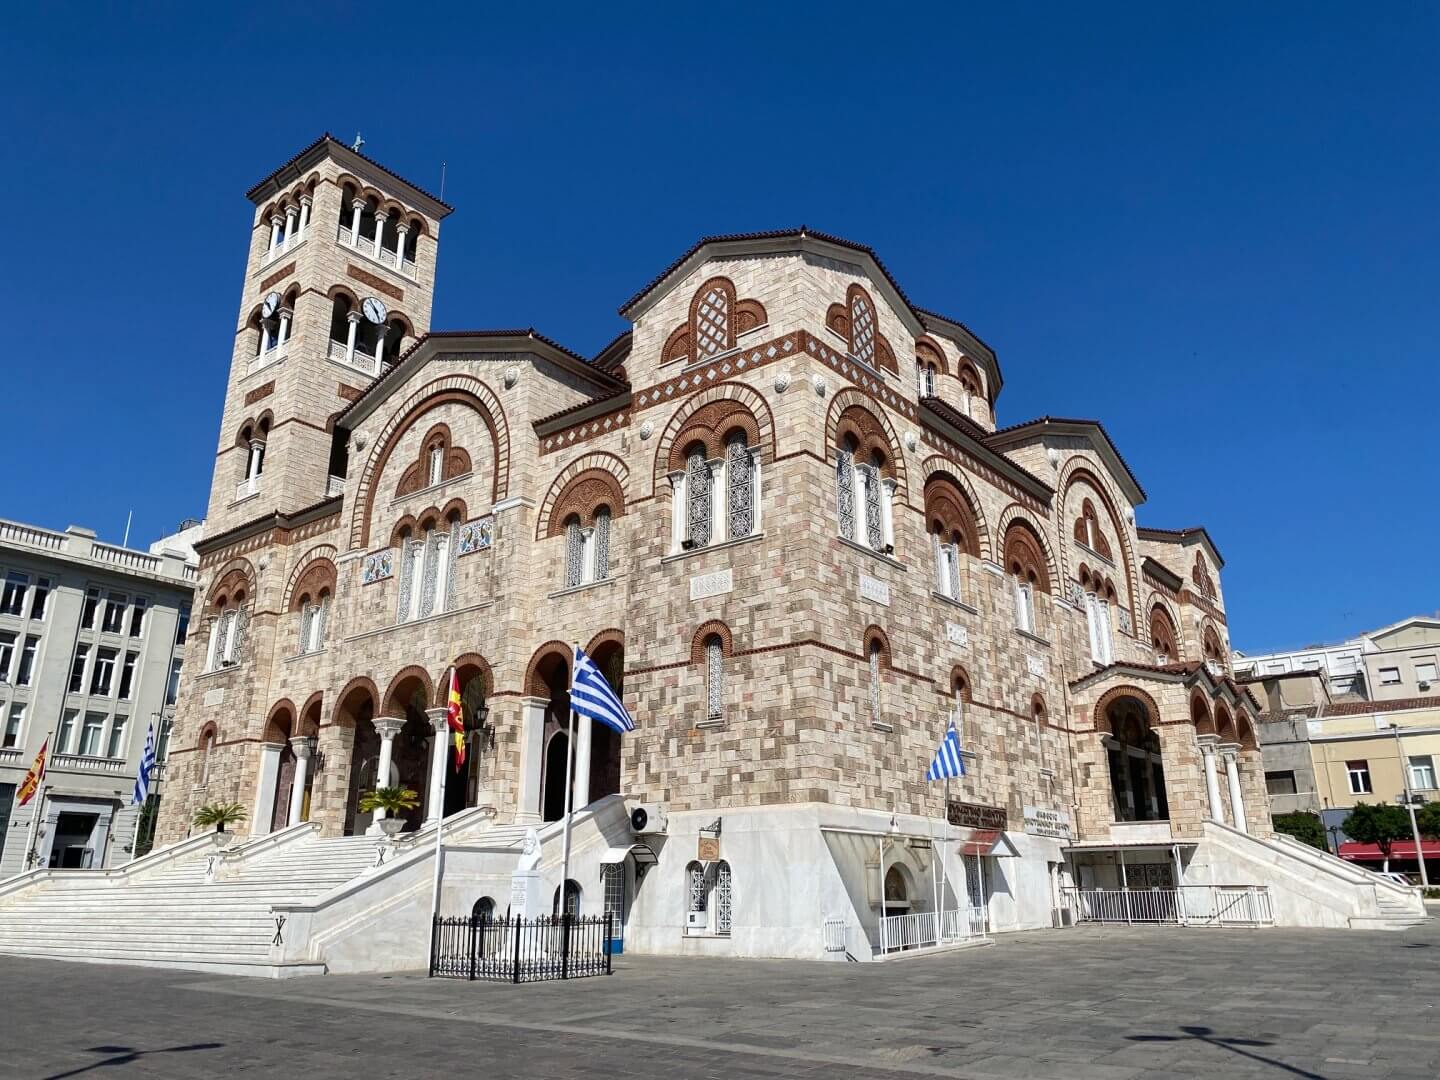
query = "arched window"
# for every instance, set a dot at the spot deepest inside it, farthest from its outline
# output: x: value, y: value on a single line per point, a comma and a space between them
x: 584, y: 511
x: 1137, y: 773
x: 897, y: 897
x: 252, y: 440
x: 427, y: 565
x: 947, y: 562
x: 864, y: 480
x: 960, y: 691
x: 969, y: 389
x: 953, y: 532
x: 227, y: 634
x: 207, y: 753
x: 862, y: 327
x: 741, y: 476
x: 698, y: 499
x: 1038, y: 714
x: 845, y: 489
x: 1025, y: 560
x: 874, y: 661
x: 924, y: 378
x: 714, y: 677
x: 1200, y: 575
x: 1163, y: 636
x: 574, y: 552
x: 314, y: 614
x: 484, y: 909
x: 572, y: 899
x: 697, y: 899
x: 1087, y: 530
x: 1099, y: 599
x: 724, y: 898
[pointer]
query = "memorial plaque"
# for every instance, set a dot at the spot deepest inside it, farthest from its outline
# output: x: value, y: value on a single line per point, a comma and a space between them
x: 976, y: 816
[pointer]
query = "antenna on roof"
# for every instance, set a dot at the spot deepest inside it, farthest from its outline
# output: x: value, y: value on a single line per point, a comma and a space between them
x: 358, y: 143
x: 442, y: 181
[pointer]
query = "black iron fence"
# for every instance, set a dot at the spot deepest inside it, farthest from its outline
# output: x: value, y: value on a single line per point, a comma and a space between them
x: 521, y: 950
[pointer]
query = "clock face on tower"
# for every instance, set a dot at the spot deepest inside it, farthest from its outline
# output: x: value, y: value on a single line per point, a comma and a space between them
x: 271, y: 305
x: 373, y: 310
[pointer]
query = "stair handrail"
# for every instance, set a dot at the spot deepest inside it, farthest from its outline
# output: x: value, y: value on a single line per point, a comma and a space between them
x: 1328, y: 858
x: 144, y: 864
x: 264, y: 845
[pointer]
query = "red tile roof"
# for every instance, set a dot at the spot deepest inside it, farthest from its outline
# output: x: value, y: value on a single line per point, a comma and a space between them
x: 328, y: 138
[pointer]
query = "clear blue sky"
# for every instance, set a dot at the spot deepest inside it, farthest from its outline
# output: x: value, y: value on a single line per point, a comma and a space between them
x: 1211, y: 227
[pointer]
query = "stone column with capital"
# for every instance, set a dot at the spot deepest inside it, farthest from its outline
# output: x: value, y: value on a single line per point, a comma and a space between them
x: 304, y: 748
x: 532, y: 752
x: 354, y: 320
x: 287, y: 317
x: 1212, y: 780
x: 358, y: 205
x: 439, y: 760
x: 305, y: 204
x: 1232, y: 779
x: 402, y: 230
x: 269, y: 777
x: 292, y: 215
x: 677, y: 510
x: 387, y: 727
x: 275, y: 222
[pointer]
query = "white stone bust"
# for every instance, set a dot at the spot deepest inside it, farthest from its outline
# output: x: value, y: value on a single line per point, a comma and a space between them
x: 530, y: 851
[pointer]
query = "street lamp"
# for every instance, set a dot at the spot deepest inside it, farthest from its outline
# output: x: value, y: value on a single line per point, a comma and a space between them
x: 1409, y: 800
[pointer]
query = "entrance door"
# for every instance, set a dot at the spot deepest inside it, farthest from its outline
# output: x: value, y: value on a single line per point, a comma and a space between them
x: 71, y: 848
x: 975, y: 889
x: 7, y: 801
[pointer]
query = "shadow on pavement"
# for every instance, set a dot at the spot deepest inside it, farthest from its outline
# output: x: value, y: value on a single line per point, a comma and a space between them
x: 124, y: 1055
x: 1196, y: 1033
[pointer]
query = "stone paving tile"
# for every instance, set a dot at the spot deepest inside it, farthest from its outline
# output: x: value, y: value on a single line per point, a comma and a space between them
x: 1080, y: 1004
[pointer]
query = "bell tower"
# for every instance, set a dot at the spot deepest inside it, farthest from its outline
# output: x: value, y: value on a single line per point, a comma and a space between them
x: 339, y: 282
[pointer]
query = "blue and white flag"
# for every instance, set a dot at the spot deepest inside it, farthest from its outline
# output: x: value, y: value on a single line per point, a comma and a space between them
x: 947, y: 762
x: 147, y: 766
x: 590, y: 695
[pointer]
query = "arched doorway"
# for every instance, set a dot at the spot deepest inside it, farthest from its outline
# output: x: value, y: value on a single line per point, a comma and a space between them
x: 1137, y: 774
x: 463, y: 782
x: 897, y: 892
x: 554, y: 779
x: 605, y: 744
x: 355, y: 712
x: 278, y: 730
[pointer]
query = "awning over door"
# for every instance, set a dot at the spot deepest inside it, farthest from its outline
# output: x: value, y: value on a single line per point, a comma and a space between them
x: 644, y: 855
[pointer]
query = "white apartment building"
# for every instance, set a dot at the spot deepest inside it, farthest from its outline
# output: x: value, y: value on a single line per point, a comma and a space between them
x: 1399, y: 661
x: 92, y: 639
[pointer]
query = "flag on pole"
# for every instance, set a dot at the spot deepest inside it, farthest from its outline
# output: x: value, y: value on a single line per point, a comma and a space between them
x: 455, y: 718
x: 31, y: 783
x: 147, y: 766
x: 947, y: 761
x: 590, y: 695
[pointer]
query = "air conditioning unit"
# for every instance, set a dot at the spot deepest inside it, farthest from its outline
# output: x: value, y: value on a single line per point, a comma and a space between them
x: 695, y: 920
x: 647, y: 819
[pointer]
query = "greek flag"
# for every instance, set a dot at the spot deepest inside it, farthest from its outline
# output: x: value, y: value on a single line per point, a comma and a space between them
x: 147, y: 766
x: 948, y: 761
x: 590, y: 695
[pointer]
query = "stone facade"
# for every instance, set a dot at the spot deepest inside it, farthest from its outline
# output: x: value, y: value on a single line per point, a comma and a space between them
x: 502, y: 451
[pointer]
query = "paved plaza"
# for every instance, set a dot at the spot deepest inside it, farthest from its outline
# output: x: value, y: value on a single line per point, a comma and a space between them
x: 1082, y: 1004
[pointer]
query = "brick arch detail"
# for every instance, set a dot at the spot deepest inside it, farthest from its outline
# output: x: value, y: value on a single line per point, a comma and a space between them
x: 874, y: 633
x: 948, y: 502
x: 272, y: 726
x: 1077, y: 471
x: 456, y: 387
x: 1037, y: 700
x: 237, y: 573
x: 303, y: 727
x: 1115, y: 693
x: 930, y: 351
x: 208, y: 728
x: 745, y: 395
x: 1159, y: 612
x: 317, y: 558
x: 359, y: 682
x: 1200, y: 714
x: 599, y: 461
x: 412, y: 671
x: 840, y: 404
x: 712, y: 425
x: 534, y: 685
x: 455, y: 461
x: 611, y: 635
x: 940, y: 465
x: 1223, y: 720
x: 582, y: 496
x: 967, y: 693
x: 470, y: 659
x: 708, y: 628
x: 1014, y: 515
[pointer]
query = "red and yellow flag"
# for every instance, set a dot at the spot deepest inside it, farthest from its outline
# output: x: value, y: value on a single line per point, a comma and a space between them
x: 31, y: 783
x: 455, y: 718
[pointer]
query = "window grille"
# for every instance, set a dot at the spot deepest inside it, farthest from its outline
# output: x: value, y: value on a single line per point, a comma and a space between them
x: 698, y: 493
x: 615, y: 893
x: 307, y: 620
x: 870, y: 478
x: 741, y: 475
x: 862, y: 330
x: 574, y: 554
x: 602, y: 543
x: 239, y: 620
x: 953, y: 569
x: 697, y: 887
x: 845, y: 493
x: 875, y: 682
x: 430, y: 575
x: 322, y: 616
x: 723, y: 898
x: 1024, y: 609
x: 411, y: 553
x: 437, y: 465
x: 452, y: 550
x: 714, y: 678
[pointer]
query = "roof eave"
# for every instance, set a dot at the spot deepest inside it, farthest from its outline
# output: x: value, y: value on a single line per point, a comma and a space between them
x: 1087, y: 429
x: 328, y: 145
x: 1000, y: 462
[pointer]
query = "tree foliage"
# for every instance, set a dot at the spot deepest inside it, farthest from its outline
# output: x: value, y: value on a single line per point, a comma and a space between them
x: 393, y: 800
x: 1428, y: 818
x: 1306, y: 828
x: 219, y: 815
x: 1380, y: 824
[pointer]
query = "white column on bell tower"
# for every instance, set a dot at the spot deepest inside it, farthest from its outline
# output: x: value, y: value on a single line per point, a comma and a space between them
x: 401, y: 230
x: 292, y: 215
x: 305, y: 202
x: 359, y: 207
x: 275, y: 222
x: 354, y: 318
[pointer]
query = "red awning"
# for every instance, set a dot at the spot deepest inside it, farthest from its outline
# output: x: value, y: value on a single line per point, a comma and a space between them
x: 979, y: 842
x: 1400, y: 849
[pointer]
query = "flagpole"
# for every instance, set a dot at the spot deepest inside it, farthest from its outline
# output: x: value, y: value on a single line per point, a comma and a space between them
x: 569, y: 786
x: 31, y: 837
x: 440, y: 748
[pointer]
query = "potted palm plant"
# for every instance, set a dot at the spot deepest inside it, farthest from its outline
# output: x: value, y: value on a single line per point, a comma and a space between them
x: 219, y: 815
x: 394, y: 801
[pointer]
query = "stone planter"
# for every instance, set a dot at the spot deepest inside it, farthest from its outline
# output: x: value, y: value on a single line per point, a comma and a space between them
x: 391, y: 826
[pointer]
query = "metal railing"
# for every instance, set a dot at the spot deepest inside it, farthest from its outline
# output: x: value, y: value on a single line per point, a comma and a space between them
x: 521, y: 950
x: 1187, y: 905
x: 926, y: 929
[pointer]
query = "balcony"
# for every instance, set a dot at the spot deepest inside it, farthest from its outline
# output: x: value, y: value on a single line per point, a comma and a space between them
x: 361, y: 360
x: 289, y: 243
x: 247, y: 488
x: 366, y: 246
x: 88, y: 763
x: 277, y: 351
x: 11, y: 755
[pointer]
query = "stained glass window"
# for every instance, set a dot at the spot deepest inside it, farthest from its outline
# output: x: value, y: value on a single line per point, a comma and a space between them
x: 697, y: 493
x: 845, y: 493
x: 740, y: 471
